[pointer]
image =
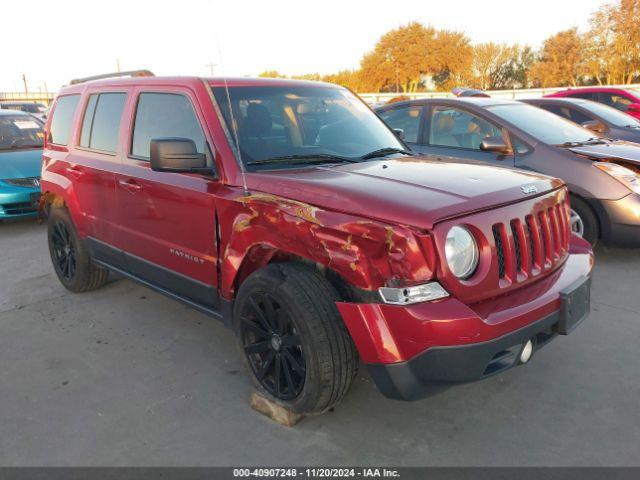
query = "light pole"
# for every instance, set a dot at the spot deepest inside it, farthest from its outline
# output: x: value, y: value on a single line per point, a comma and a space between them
x: 210, y: 67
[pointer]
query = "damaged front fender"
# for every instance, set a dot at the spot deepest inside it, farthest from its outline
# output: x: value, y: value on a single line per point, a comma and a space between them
x: 367, y: 254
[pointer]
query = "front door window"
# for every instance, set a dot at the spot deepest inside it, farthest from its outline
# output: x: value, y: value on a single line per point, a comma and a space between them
x: 452, y: 127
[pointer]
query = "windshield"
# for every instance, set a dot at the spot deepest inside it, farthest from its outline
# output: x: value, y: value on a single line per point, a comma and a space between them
x: 20, y: 131
x: 283, y: 122
x: 542, y: 125
x: 611, y: 115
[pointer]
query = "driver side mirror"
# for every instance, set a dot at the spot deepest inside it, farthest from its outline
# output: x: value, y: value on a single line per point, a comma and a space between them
x: 495, y: 144
x: 399, y: 133
x: 595, y: 126
x: 177, y: 155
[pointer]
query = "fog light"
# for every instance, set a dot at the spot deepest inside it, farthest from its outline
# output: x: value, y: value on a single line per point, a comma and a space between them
x: 527, y: 351
x: 415, y: 294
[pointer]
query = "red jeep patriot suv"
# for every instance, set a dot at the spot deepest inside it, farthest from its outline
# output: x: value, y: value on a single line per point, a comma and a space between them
x: 291, y: 212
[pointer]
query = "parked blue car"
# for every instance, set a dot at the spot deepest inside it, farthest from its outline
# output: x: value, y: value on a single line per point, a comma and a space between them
x: 21, y: 138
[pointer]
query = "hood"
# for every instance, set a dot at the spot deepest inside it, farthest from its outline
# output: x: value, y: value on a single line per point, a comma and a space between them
x: 20, y: 163
x: 627, y: 134
x: 620, y: 150
x: 410, y: 191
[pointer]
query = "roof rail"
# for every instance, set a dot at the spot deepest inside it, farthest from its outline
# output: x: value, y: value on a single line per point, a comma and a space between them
x: 129, y: 73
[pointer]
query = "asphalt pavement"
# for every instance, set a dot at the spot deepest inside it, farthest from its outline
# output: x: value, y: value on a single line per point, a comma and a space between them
x: 125, y: 376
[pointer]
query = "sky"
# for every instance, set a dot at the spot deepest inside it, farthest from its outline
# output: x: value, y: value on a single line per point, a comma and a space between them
x: 69, y: 39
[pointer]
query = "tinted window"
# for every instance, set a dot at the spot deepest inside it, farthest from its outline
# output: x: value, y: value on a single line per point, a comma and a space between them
x: 405, y: 118
x: 577, y: 116
x: 284, y: 121
x: 164, y: 115
x: 106, y: 122
x: 586, y: 96
x: 519, y: 146
x: 540, y: 124
x: 616, y: 101
x: 567, y: 112
x: 611, y: 115
x: 563, y: 112
x: 61, y: 123
x: 452, y: 127
x: 85, y: 135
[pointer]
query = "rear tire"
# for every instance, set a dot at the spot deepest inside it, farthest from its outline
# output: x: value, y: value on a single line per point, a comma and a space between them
x: 71, y: 260
x: 292, y: 338
x: 584, y: 222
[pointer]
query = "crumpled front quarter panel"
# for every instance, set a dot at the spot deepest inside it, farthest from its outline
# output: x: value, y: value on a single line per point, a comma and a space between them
x: 367, y: 254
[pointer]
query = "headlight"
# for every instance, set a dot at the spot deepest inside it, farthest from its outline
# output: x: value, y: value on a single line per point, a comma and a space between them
x: 415, y: 294
x: 461, y: 251
x: 628, y: 177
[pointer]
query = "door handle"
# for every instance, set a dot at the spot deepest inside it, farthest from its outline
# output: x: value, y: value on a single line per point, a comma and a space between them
x: 130, y: 185
x: 74, y: 171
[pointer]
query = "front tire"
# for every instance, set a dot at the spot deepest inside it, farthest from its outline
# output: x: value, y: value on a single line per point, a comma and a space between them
x: 583, y: 221
x: 292, y: 337
x: 71, y: 260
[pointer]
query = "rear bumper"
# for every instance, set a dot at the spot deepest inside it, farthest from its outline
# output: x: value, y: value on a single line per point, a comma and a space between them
x: 621, y: 221
x: 18, y: 202
x: 416, y: 350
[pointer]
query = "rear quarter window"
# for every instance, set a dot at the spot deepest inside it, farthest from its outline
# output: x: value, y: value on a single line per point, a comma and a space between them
x: 62, y: 121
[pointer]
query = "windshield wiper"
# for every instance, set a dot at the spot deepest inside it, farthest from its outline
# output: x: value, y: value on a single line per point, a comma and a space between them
x: 310, y: 158
x: 591, y: 141
x: 26, y: 145
x: 383, y: 152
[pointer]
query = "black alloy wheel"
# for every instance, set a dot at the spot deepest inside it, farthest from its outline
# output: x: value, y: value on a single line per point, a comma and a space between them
x: 273, y: 346
x: 64, y: 251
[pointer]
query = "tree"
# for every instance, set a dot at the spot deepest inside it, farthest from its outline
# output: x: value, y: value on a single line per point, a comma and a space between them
x: 501, y: 66
x: 612, y: 53
x: 492, y: 65
x: 454, y: 59
x: 351, y: 79
x: 561, y: 60
x: 400, y: 58
x: 314, y: 77
x: 272, y: 74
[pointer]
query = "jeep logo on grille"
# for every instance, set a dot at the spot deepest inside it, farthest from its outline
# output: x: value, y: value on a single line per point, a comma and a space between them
x: 529, y: 189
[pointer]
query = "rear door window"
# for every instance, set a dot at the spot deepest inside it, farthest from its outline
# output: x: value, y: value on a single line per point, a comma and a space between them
x: 452, y: 127
x: 577, y: 116
x: 614, y: 100
x: 101, y: 123
x: 405, y: 118
x: 62, y: 121
x: 164, y: 115
x: 568, y: 113
x: 585, y: 95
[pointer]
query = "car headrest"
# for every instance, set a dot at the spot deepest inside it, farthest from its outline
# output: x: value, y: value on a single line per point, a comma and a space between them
x: 259, y: 120
x: 445, y: 123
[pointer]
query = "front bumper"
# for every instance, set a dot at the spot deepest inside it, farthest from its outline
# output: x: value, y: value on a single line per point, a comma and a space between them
x: 19, y: 202
x: 419, y: 349
x: 620, y: 221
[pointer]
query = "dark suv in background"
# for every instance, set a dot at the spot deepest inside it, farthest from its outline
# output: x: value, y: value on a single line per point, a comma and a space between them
x: 603, y: 176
